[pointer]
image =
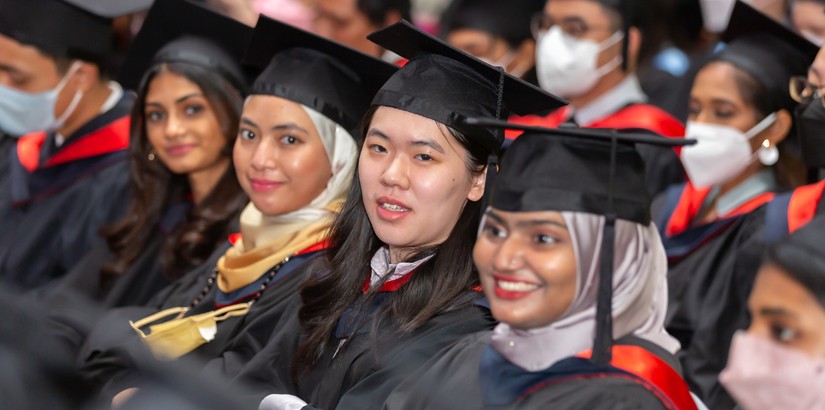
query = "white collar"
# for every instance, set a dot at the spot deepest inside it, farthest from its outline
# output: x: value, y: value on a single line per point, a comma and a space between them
x: 628, y: 91
x: 116, y: 92
x: 381, y: 265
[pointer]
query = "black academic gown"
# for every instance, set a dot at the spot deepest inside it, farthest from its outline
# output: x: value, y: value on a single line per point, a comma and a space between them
x: 363, y: 373
x: 103, y: 362
x: 61, y: 199
x: 705, y: 266
x: 7, y: 145
x: 472, y: 375
x: 140, y: 281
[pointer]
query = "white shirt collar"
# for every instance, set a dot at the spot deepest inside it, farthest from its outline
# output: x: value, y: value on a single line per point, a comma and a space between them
x: 116, y: 91
x: 628, y: 91
x: 381, y: 266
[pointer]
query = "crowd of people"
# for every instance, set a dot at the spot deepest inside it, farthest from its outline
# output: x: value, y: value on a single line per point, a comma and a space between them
x: 401, y: 204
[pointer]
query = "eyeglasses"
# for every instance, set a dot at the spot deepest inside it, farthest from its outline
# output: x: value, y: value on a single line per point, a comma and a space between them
x: 574, y: 27
x: 804, y: 91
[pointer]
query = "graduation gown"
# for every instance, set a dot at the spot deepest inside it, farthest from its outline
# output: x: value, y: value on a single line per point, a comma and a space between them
x: 718, y: 321
x: 472, y: 375
x: 362, y: 374
x: 105, y: 364
x: 703, y: 281
x: 7, y: 145
x: 61, y: 197
x: 662, y: 165
x: 140, y: 281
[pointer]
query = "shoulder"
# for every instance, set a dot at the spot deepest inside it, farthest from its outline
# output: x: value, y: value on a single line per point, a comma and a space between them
x: 593, y: 393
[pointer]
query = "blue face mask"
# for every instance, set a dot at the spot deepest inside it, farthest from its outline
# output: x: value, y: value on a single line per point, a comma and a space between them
x: 22, y: 113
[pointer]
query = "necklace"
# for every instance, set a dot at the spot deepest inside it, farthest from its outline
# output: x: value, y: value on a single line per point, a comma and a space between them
x: 213, y: 277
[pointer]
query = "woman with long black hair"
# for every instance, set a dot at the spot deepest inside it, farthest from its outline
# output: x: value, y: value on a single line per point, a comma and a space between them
x: 399, y: 283
x: 294, y: 157
x: 185, y: 197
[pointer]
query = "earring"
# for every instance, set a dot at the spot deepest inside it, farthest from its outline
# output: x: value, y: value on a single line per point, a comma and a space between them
x: 767, y: 153
x: 151, y: 155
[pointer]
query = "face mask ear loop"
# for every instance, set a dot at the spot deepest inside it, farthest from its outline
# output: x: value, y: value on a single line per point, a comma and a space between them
x: 75, y: 100
x: 761, y: 126
x: 618, y: 60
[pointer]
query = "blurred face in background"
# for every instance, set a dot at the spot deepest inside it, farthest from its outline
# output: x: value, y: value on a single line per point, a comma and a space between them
x: 808, y: 19
x: 342, y: 21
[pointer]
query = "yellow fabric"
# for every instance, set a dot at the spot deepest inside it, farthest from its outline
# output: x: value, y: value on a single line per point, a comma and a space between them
x: 174, y: 338
x: 238, y: 267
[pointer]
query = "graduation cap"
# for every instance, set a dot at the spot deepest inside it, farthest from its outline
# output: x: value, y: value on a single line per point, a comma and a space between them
x: 803, y: 255
x: 331, y: 78
x: 767, y: 50
x: 79, y: 29
x: 593, y: 170
x: 183, y: 31
x: 448, y: 85
x: 509, y: 20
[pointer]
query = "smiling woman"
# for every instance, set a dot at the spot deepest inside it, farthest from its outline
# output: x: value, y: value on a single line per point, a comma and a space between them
x: 184, y: 196
x: 540, y: 255
x: 397, y: 283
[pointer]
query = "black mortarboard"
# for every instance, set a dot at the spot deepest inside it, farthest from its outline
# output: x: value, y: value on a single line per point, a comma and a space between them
x: 803, y: 256
x: 79, y: 29
x: 767, y: 50
x: 509, y: 20
x: 593, y: 170
x: 448, y: 85
x: 183, y: 31
x: 331, y: 78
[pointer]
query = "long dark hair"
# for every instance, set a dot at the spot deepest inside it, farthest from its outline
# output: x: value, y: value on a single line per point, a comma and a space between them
x: 154, y: 188
x: 439, y: 285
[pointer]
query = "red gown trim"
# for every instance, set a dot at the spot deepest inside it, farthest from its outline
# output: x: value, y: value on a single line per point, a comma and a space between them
x: 690, y: 203
x: 391, y: 285
x: 661, y: 379
x: 804, y: 204
x: 111, y: 138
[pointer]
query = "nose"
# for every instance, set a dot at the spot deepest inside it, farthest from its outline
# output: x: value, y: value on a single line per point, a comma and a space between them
x: 264, y: 155
x: 509, y: 255
x: 175, y: 127
x: 396, y: 174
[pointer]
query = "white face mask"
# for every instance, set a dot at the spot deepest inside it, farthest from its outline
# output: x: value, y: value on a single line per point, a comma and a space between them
x: 720, y: 153
x: 566, y: 66
x: 22, y: 112
x: 716, y: 13
x: 813, y: 38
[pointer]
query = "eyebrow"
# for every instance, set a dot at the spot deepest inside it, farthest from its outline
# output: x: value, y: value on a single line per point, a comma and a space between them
x: 279, y: 127
x: 416, y: 143
x: 177, y: 101
x: 775, y: 311
x: 539, y: 222
x: 574, y: 19
x: 528, y: 223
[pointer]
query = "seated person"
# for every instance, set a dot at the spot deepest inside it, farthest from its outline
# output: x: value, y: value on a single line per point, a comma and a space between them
x: 540, y: 256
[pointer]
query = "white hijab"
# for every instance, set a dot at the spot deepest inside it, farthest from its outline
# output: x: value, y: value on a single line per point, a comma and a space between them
x: 639, y: 296
x: 258, y: 229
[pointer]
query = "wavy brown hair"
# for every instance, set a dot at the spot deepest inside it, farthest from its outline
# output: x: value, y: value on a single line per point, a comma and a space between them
x: 154, y: 188
x: 439, y: 285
